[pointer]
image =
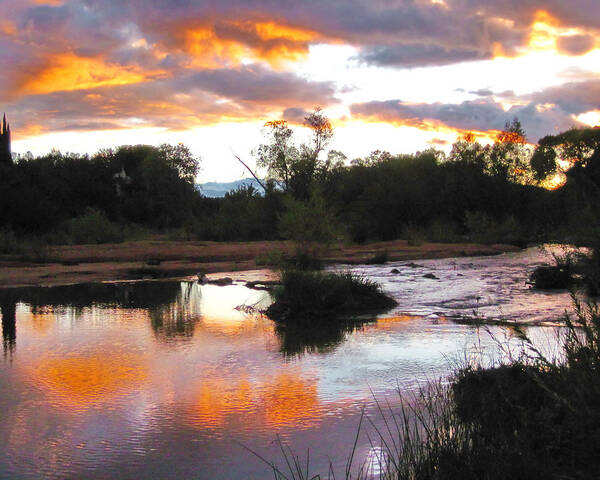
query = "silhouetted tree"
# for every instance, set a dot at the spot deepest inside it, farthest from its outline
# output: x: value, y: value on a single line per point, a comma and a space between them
x: 296, y: 168
x: 575, y: 147
x: 509, y: 157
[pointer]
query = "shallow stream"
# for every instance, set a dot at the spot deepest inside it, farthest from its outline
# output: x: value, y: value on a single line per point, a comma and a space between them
x: 169, y: 380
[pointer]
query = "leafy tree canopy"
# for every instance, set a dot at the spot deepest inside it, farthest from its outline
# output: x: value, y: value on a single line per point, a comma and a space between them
x: 294, y: 167
x: 573, y: 147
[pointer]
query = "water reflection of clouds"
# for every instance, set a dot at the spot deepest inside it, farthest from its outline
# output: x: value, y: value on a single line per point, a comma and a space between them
x: 93, y: 379
x: 286, y: 400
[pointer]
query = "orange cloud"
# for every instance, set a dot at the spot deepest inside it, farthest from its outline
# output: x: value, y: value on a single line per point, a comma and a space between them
x: 210, y: 51
x: 431, y: 125
x: 68, y: 72
x: 272, y: 30
x: 31, y: 130
x: 548, y: 34
x: 7, y: 28
x: 544, y: 32
x: 232, y: 43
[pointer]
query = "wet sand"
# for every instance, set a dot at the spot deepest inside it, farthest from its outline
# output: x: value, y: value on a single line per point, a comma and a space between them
x: 174, y: 259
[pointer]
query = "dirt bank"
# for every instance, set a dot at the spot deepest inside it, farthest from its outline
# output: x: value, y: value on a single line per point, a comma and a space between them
x: 162, y: 258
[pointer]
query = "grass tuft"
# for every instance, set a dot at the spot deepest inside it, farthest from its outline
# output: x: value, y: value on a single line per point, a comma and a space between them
x: 309, y: 296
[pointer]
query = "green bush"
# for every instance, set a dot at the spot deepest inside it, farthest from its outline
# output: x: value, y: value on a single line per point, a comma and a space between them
x: 442, y: 231
x: 415, y: 236
x: 483, y: 228
x: 93, y: 227
x: 378, y: 258
x: 273, y: 258
x: 29, y: 249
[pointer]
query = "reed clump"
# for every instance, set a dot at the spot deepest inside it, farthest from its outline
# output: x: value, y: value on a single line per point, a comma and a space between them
x: 313, y: 296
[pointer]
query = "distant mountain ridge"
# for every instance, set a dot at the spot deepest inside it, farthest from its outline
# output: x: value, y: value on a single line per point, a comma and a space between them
x: 217, y: 189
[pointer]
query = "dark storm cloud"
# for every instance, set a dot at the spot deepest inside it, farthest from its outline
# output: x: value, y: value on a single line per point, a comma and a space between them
x: 572, y: 97
x: 576, y: 44
x: 541, y: 113
x: 482, y: 92
x: 294, y: 115
x: 409, y: 55
x: 258, y: 84
x: 480, y: 116
x: 573, y: 13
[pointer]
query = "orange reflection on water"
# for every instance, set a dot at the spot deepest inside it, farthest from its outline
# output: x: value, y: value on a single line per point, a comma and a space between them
x: 392, y: 323
x: 286, y: 399
x: 84, y: 380
x: 216, y: 401
x: 290, y: 399
x: 236, y: 326
x: 40, y: 320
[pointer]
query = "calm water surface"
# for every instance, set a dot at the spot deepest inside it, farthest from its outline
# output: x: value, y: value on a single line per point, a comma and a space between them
x: 167, y: 379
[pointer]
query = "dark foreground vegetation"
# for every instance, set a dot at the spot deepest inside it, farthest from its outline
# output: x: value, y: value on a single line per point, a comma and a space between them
x: 576, y: 269
x: 490, y: 194
x: 534, y: 418
x: 311, y: 298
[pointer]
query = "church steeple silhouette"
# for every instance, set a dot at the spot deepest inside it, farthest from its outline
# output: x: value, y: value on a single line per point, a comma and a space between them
x: 5, y: 151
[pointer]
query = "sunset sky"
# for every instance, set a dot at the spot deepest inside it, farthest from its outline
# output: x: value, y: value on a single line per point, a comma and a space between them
x: 397, y: 75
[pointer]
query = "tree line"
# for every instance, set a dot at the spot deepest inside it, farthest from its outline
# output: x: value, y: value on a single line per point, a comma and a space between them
x: 479, y: 192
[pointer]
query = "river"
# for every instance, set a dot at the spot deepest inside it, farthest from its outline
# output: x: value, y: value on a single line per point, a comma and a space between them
x: 170, y: 380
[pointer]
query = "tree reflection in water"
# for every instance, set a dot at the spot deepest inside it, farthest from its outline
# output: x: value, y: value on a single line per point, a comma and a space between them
x: 176, y: 320
x: 9, y: 326
x: 316, y: 337
x: 173, y: 306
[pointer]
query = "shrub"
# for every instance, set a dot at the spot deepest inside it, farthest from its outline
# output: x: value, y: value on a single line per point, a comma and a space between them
x: 484, y: 229
x: 570, y: 269
x: 273, y: 258
x: 315, y: 296
x: 93, y: 227
x: 443, y: 231
x: 549, y: 277
x: 378, y: 258
x: 415, y: 236
x: 29, y: 249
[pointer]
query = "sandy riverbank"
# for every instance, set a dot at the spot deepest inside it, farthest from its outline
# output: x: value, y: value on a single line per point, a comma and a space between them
x: 162, y: 258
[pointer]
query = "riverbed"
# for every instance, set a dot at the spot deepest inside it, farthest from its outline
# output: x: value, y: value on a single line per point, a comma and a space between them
x: 170, y: 380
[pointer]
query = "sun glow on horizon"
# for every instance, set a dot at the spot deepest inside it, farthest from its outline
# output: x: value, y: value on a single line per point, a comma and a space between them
x: 591, y: 119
